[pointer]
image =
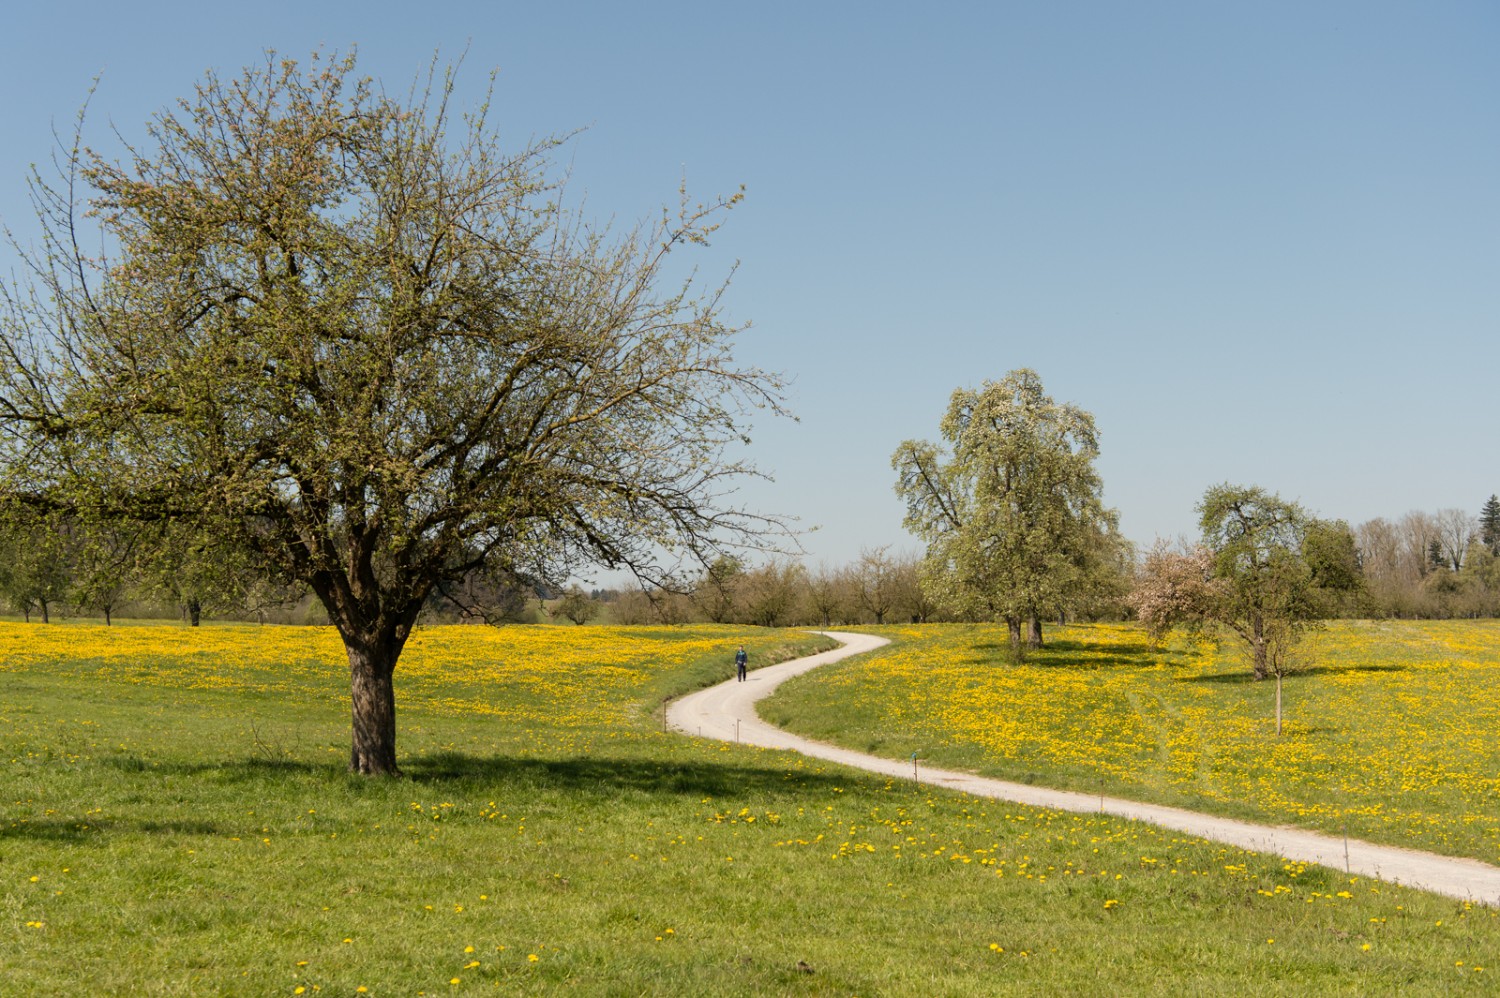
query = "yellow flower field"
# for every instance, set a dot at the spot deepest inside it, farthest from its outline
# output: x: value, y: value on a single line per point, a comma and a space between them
x: 529, y: 674
x: 1393, y: 728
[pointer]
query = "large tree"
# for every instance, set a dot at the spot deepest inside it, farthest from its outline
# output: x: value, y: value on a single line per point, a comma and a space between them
x: 358, y: 335
x: 1265, y: 588
x: 1010, y: 505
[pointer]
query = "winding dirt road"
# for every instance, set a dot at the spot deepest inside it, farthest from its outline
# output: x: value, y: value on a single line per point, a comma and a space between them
x: 727, y: 712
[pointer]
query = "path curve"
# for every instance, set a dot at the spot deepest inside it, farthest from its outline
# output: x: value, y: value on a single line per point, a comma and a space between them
x: 727, y: 712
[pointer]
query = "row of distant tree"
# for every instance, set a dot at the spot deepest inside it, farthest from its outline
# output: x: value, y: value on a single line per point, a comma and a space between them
x: 58, y: 564
x: 1421, y: 565
x: 879, y: 587
x: 1443, y: 564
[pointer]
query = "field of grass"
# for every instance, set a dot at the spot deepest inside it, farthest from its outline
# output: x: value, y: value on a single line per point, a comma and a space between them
x: 1393, y: 728
x: 177, y: 821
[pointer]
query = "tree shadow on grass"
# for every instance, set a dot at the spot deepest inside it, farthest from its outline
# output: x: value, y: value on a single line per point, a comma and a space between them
x: 592, y: 778
x: 601, y: 775
x: 233, y: 770
x: 1101, y: 652
x: 605, y: 776
x: 1236, y: 678
x: 73, y: 831
x: 1065, y: 654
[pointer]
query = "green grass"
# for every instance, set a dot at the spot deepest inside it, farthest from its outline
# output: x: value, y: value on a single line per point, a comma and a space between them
x: 1391, y: 727
x: 188, y: 840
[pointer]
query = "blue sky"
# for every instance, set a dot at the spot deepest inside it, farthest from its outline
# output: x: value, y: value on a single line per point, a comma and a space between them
x: 1260, y: 242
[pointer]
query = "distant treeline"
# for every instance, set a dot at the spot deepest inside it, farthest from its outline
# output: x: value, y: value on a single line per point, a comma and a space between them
x: 1431, y: 565
x: 1421, y: 565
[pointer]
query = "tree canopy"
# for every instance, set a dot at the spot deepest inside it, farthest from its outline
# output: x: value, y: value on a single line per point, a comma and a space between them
x: 363, y: 339
x: 1010, y: 504
x: 1266, y: 592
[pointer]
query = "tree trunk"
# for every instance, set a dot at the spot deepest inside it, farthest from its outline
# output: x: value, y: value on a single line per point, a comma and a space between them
x: 107, y: 621
x: 1013, y: 625
x: 1034, y: 639
x: 195, y: 612
x: 1258, y: 647
x: 46, y: 616
x: 372, y: 697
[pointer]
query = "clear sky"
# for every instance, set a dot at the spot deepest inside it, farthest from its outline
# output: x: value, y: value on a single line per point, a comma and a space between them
x: 1260, y: 242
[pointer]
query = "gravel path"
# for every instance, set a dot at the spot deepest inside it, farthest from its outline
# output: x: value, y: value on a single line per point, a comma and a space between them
x: 727, y: 712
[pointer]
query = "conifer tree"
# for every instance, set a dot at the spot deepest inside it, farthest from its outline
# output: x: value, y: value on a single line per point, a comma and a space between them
x: 1489, y: 524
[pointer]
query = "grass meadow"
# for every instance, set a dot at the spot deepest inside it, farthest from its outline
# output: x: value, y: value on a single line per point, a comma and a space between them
x: 1392, y: 733
x: 177, y: 820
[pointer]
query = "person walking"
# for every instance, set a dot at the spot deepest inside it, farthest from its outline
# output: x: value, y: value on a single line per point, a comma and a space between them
x: 740, y: 660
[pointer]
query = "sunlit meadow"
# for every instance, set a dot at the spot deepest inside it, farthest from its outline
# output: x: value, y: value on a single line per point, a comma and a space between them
x: 1393, y: 728
x: 177, y: 821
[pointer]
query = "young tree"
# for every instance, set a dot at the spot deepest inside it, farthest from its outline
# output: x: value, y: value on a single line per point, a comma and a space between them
x: 875, y: 583
x: 575, y: 605
x: 103, y: 564
x: 1010, y: 509
x: 203, y: 572
x: 829, y: 595
x: 771, y: 593
x: 34, y: 564
x: 717, y: 592
x: 356, y: 332
x: 906, y: 575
